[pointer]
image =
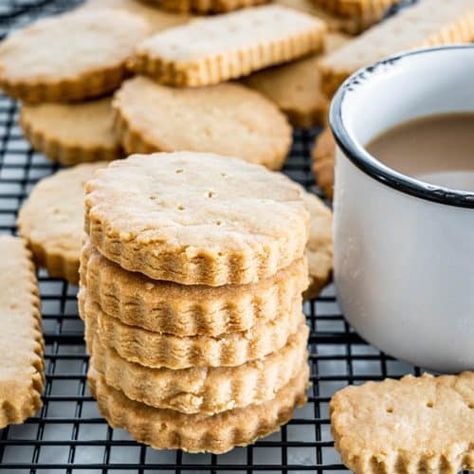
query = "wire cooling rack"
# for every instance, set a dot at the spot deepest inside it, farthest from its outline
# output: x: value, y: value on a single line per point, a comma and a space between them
x: 68, y: 435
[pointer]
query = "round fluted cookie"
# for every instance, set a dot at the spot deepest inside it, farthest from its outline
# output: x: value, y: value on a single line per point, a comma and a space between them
x: 51, y: 220
x: 167, y: 307
x: 153, y: 349
x: 70, y: 57
x: 323, y: 155
x: 319, y: 249
x: 206, y: 390
x: 72, y: 133
x: 227, y: 119
x: 169, y: 429
x: 196, y: 218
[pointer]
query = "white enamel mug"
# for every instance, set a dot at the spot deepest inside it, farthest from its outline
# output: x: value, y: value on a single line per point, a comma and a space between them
x: 404, y: 249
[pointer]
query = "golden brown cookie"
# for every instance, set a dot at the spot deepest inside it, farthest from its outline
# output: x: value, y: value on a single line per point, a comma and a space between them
x: 21, y: 348
x: 155, y: 350
x: 157, y: 19
x: 72, y: 133
x: 223, y: 47
x: 323, y: 155
x: 319, y: 248
x: 206, y: 6
x: 69, y: 57
x: 202, y: 389
x: 169, y: 429
x: 436, y: 22
x: 51, y: 220
x: 416, y: 424
x: 190, y: 310
x: 196, y: 218
x: 296, y: 87
x: 357, y: 8
x: 350, y: 25
x: 227, y: 119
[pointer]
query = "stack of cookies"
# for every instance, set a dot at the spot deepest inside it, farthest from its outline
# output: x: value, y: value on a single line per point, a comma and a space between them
x: 192, y: 275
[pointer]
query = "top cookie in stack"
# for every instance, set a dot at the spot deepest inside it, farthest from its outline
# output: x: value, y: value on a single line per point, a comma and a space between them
x: 196, y: 219
x: 191, y: 290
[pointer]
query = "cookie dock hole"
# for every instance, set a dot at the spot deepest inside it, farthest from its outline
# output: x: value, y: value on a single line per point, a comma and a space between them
x: 181, y: 208
x: 429, y: 404
x: 471, y: 406
x: 211, y: 194
x: 389, y: 410
x: 179, y: 171
x: 218, y: 222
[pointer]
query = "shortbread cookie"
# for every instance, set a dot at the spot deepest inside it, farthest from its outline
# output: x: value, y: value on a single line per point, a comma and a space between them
x: 170, y: 308
x: 323, y: 155
x: 21, y: 348
x: 70, y: 57
x: 367, y: 9
x: 416, y: 424
x: 206, y: 6
x: 227, y: 119
x: 157, y: 19
x: 51, y: 220
x: 425, y: 24
x: 349, y: 25
x: 296, y: 87
x: 196, y: 218
x: 153, y: 349
x: 72, y: 133
x: 202, y: 389
x: 319, y: 249
x: 169, y: 429
x: 223, y: 47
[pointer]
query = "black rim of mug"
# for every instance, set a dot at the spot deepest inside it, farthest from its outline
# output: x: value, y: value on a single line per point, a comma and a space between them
x: 357, y: 154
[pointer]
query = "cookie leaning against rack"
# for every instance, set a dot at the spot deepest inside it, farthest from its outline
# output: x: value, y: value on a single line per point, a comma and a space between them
x: 196, y: 218
x: 21, y: 347
x: 223, y: 47
x: 69, y: 57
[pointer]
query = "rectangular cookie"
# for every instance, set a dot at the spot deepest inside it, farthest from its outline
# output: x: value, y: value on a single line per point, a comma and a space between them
x: 296, y: 87
x: 428, y: 23
x: 374, y: 9
x: 21, y: 341
x: 223, y: 47
x: 416, y: 424
x: 350, y: 25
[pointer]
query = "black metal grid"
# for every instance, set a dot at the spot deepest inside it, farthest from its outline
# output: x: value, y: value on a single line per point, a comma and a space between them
x: 68, y: 435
